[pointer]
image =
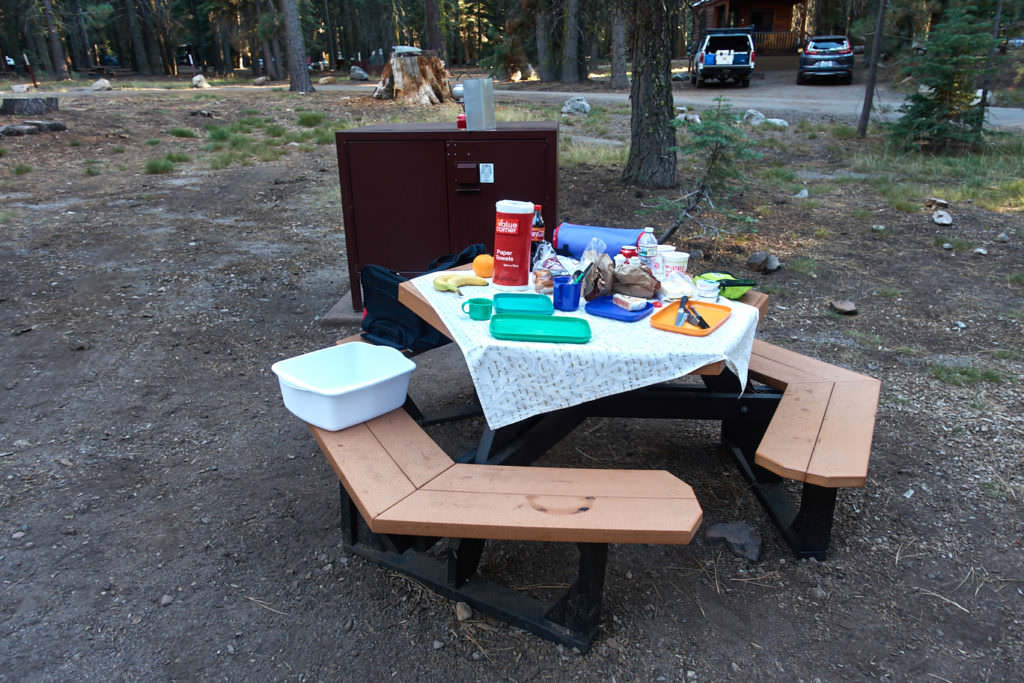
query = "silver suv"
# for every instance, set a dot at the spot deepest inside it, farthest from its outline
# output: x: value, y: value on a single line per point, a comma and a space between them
x: 725, y: 54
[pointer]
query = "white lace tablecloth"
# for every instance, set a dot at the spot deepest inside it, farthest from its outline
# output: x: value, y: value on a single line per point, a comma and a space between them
x: 515, y: 380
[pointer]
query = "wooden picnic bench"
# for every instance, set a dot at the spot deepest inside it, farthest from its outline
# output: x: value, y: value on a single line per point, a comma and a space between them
x: 798, y: 419
x: 401, y: 493
x: 819, y: 432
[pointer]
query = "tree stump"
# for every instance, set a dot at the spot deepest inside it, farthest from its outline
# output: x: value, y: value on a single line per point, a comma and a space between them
x: 30, y: 106
x: 415, y: 77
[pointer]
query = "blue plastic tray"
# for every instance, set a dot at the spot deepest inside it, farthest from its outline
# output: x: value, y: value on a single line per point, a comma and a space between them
x: 604, y: 307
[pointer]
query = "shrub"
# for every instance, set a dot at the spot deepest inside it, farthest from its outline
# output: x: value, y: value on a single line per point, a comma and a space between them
x: 22, y: 169
x: 182, y: 132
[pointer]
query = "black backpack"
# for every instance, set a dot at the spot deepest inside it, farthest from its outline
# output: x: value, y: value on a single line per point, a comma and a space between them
x: 389, y: 323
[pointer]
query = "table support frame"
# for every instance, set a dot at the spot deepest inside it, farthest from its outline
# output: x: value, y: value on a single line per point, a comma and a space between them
x: 572, y: 619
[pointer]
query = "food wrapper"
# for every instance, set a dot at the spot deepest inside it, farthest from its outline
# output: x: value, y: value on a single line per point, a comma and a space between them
x: 635, y: 279
x: 676, y: 286
x: 599, y: 277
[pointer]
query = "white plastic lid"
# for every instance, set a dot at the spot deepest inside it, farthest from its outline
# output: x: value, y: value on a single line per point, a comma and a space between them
x: 649, y: 229
x: 513, y: 206
x: 676, y: 257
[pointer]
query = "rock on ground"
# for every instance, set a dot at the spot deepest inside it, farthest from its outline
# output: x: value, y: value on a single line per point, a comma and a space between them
x: 358, y: 74
x: 753, y: 117
x: 739, y: 536
x: 100, y: 84
x: 577, y: 104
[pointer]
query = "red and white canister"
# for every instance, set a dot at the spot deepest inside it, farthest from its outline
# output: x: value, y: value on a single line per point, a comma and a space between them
x: 512, y: 243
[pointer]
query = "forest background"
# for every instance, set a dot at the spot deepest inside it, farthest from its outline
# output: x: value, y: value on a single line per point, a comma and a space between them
x: 549, y: 39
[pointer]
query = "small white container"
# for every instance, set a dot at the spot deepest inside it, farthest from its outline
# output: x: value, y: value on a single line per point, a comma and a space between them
x: 343, y: 385
x: 676, y: 261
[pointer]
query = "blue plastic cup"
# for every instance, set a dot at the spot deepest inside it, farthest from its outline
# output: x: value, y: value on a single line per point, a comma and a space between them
x: 567, y: 293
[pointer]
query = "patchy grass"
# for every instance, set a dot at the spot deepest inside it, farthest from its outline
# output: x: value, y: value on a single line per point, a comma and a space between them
x: 3, y: 152
x: 958, y: 243
x: 161, y: 165
x: 309, y: 119
x: 842, y: 131
x: 992, y: 177
x: 230, y: 158
x: 74, y: 143
x: 868, y: 340
x: 152, y: 142
x: 21, y: 169
x: 1017, y: 278
x: 779, y: 175
x: 888, y: 293
x: 92, y: 167
x: 962, y: 376
x: 117, y: 149
x: 570, y: 154
x: 177, y: 158
x: 218, y: 133
x: 182, y: 133
x: 803, y: 265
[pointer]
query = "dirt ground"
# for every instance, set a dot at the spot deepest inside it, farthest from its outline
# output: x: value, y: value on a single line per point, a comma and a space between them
x: 162, y: 516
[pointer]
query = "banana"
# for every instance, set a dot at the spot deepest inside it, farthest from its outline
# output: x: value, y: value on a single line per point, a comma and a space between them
x: 451, y: 282
x: 441, y: 282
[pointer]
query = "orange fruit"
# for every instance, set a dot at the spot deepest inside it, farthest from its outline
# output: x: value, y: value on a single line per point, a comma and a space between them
x: 483, y: 265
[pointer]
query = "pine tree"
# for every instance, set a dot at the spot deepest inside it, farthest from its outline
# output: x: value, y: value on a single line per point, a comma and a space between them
x: 940, y: 114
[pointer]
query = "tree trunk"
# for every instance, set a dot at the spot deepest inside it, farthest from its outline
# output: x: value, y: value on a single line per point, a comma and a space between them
x: 297, y: 71
x: 619, y: 79
x: 414, y: 79
x: 60, y: 69
x: 332, y: 37
x: 138, y: 46
x: 570, y: 42
x: 652, y: 161
x: 544, y: 58
x: 869, y: 87
x: 433, y: 11
x: 82, y: 54
x: 147, y: 20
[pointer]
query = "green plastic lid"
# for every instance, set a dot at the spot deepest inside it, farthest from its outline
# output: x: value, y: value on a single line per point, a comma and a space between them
x: 541, y: 328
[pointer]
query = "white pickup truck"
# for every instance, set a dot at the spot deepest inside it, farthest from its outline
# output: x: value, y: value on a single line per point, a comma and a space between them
x: 724, y: 54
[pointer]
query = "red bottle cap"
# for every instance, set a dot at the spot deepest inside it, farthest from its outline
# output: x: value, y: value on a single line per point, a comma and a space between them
x: 460, y: 121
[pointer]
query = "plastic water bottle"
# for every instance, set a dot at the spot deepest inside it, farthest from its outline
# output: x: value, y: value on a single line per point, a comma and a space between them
x: 647, y: 246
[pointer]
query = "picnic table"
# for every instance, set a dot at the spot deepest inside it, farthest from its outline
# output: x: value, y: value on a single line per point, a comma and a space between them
x: 801, y: 419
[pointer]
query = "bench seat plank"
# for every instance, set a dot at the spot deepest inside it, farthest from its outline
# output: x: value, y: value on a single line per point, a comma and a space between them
x: 802, y: 365
x: 412, y: 449
x: 790, y: 439
x: 775, y: 373
x: 843, y: 447
x: 371, y: 477
x: 537, y: 517
x: 560, y: 481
